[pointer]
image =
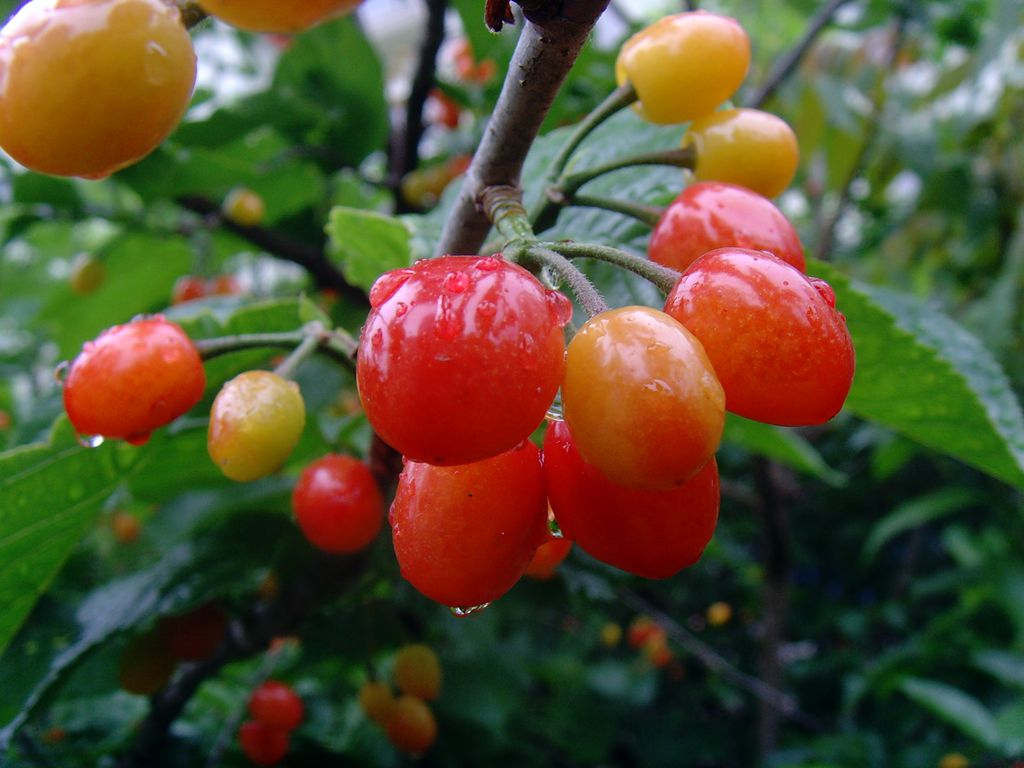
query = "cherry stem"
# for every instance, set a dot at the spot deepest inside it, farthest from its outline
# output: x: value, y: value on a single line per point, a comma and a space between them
x: 661, y: 276
x: 589, y: 297
x: 618, y: 99
x: 191, y: 13
x: 646, y: 214
x: 503, y: 205
x: 336, y: 344
x: 298, y: 356
x: 682, y: 157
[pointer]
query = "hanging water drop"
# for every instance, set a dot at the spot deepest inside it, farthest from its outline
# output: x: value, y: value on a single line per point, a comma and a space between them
x: 463, y: 612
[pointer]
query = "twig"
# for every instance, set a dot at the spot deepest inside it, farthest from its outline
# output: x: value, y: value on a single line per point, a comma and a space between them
x: 324, y: 273
x: 405, y: 138
x: 545, y: 53
x: 783, y: 66
x: 712, y: 660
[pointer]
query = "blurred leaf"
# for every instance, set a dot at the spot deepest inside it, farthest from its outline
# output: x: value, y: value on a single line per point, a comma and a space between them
x: 958, y: 709
x: 915, y: 513
x: 49, y: 496
x: 366, y: 244
x: 1006, y: 666
x: 924, y: 376
x: 785, y: 446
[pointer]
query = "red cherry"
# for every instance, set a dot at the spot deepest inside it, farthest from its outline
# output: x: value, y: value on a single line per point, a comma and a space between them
x: 263, y: 744
x: 460, y: 357
x: 276, y: 704
x: 133, y: 379
x: 337, y: 504
x: 463, y: 535
x: 654, y: 534
x: 712, y: 214
x: 782, y: 352
x: 547, y: 558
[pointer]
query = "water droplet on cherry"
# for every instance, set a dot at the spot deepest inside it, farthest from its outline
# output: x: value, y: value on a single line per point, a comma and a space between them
x: 387, y: 284
x: 61, y: 372
x: 825, y: 290
x: 488, y: 264
x: 377, y: 339
x: 90, y: 441
x: 461, y: 613
x: 487, y: 309
x: 401, y: 308
x: 560, y: 306
x: 455, y: 282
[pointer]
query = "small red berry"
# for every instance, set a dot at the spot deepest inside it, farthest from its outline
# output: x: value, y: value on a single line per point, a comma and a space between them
x: 263, y: 744
x: 548, y: 557
x: 277, y: 704
x: 337, y: 504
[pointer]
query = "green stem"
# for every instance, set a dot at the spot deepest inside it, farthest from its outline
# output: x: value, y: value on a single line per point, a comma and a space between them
x: 681, y: 157
x: 646, y: 214
x: 503, y: 206
x: 299, y: 355
x: 621, y: 97
x: 663, y: 277
x: 588, y: 296
x: 337, y: 345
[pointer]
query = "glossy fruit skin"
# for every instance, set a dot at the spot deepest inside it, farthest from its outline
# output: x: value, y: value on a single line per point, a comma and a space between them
x: 145, y: 665
x: 411, y: 726
x: 87, y: 274
x: 277, y: 704
x: 274, y: 15
x: 263, y: 744
x: 460, y: 357
x: 244, y: 207
x: 641, y: 398
x: 417, y: 671
x: 376, y: 700
x: 337, y: 504
x: 255, y: 423
x: 748, y: 147
x: 463, y: 535
x: 132, y: 379
x: 654, y: 534
x: 713, y: 214
x: 781, y: 350
x: 90, y: 87
x: 196, y: 634
x: 684, y: 66
x: 547, y: 558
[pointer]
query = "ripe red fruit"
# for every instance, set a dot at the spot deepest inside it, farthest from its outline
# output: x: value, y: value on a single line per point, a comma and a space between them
x: 463, y: 535
x: 781, y: 350
x: 644, y: 629
x: 276, y: 704
x: 460, y: 357
x: 188, y: 288
x: 641, y: 398
x: 546, y: 559
x: 337, y: 504
x: 653, y: 534
x: 712, y: 214
x: 132, y: 379
x: 194, y: 635
x: 263, y: 744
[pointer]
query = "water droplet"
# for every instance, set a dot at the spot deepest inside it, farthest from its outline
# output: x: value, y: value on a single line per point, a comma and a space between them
x: 90, y: 441
x: 825, y: 290
x: 455, y: 282
x: 377, y: 339
x: 487, y: 309
x: 560, y: 306
x: 527, y: 351
x: 401, y: 308
x: 447, y: 322
x: 387, y: 284
x: 463, y: 612
x: 61, y: 372
x: 488, y: 264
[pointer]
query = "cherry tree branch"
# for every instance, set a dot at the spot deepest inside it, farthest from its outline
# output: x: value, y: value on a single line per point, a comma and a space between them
x: 548, y: 46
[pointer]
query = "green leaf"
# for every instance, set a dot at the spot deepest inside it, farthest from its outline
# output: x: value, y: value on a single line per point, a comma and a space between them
x: 783, y: 445
x: 921, y: 374
x: 915, y: 513
x: 366, y: 244
x: 1004, y: 665
x: 962, y: 711
x: 49, y: 496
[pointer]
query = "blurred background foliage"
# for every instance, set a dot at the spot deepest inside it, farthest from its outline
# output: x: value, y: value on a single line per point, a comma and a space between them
x: 876, y: 582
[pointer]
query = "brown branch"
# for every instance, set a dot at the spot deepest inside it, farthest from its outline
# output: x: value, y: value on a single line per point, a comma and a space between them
x: 784, y: 66
x: 547, y: 48
x: 405, y: 138
x: 312, y: 258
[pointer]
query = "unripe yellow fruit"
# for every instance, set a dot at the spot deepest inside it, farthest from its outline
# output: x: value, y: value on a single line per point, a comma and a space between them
x: 376, y: 700
x: 417, y: 671
x: 276, y: 15
x: 719, y: 613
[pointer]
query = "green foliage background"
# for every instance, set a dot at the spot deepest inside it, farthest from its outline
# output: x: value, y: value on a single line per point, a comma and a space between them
x: 904, y: 602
